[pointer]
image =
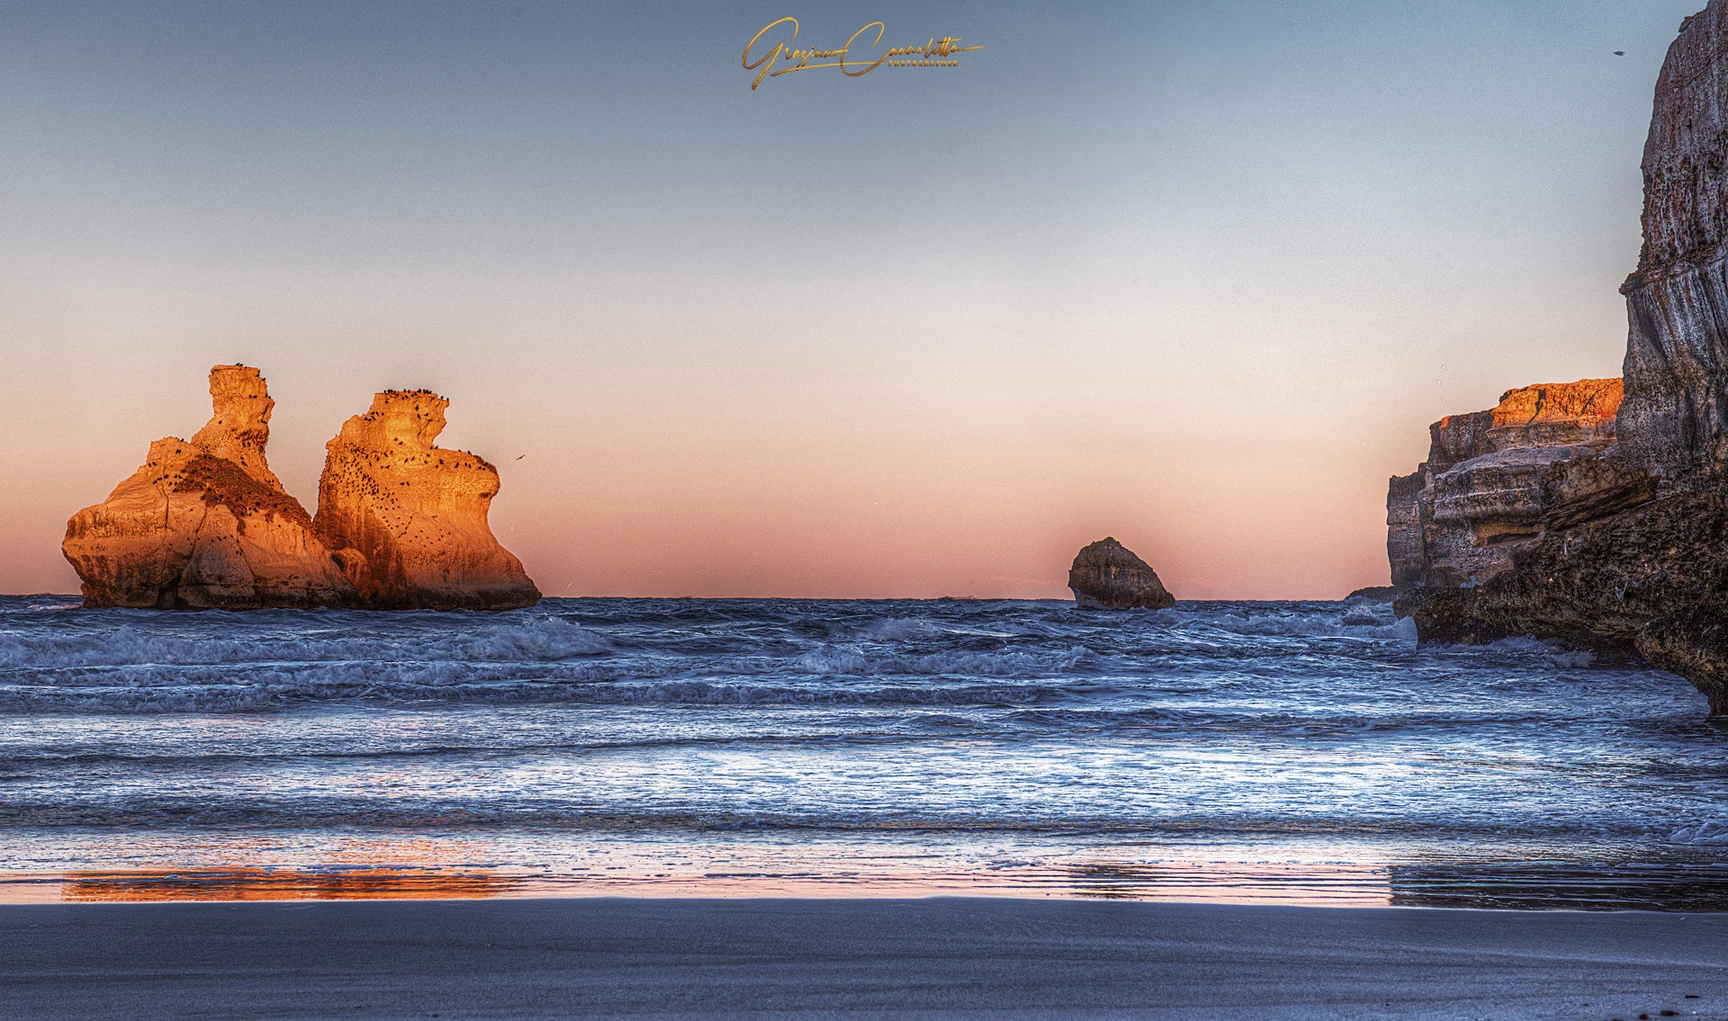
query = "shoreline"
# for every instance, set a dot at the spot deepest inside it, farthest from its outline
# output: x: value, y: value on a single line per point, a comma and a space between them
x: 1675, y: 886
x: 935, y: 957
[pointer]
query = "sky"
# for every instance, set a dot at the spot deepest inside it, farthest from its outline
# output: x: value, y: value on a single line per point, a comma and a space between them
x: 1196, y: 275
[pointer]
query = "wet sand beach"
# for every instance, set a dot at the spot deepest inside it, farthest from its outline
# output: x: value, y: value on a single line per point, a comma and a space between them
x: 938, y: 957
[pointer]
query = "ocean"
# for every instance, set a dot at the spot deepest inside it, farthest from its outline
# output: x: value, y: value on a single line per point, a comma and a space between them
x: 1273, y: 752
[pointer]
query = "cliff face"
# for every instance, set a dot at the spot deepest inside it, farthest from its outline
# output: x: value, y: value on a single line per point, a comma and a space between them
x: 1406, y: 548
x: 1107, y: 576
x: 1677, y: 300
x: 1498, y: 480
x: 414, y: 513
x: 205, y: 523
x: 1631, y: 555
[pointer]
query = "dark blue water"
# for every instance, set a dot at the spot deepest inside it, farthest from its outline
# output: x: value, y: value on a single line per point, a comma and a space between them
x: 1215, y: 750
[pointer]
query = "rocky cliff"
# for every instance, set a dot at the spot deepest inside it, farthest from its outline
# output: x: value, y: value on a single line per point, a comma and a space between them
x: 415, y: 512
x: 205, y: 523
x: 1498, y: 480
x: 1677, y: 300
x: 1107, y: 576
x: 1623, y: 547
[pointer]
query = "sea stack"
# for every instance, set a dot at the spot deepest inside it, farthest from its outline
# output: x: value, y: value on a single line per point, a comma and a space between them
x: 205, y: 524
x: 1107, y: 576
x: 1625, y: 548
x: 415, y: 513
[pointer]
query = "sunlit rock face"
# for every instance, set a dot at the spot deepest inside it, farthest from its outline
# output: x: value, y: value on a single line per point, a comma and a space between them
x: 205, y: 523
x: 1496, y: 480
x: 414, y: 514
x: 1675, y: 420
x: 1105, y: 575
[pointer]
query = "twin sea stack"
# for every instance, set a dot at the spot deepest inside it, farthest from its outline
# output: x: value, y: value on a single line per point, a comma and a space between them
x: 1582, y: 512
x: 205, y: 524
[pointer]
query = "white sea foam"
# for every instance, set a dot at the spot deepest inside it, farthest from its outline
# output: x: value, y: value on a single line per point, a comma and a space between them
x: 1550, y: 653
x: 1359, y: 616
x: 1710, y: 832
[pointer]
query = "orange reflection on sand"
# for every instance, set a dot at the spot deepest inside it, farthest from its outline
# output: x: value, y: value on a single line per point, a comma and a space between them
x: 236, y: 884
x: 733, y: 874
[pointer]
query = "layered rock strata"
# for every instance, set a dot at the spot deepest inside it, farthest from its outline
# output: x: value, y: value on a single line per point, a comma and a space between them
x: 205, y: 523
x: 416, y: 513
x: 1676, y: 416
x: 1632, y: 557
x: 1106, y: 575
x: 1496, y: 481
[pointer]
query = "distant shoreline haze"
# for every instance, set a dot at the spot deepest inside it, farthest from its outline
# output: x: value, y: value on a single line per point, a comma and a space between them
x: 1199, y: 283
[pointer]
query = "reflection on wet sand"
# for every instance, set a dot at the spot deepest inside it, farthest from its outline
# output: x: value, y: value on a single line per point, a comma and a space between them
x: 1513, y: 885
x: 283, y: 866
x: 1610, y: 886
x: 1322, y: 884
x: 235, y: 884
x: 1337, y: 885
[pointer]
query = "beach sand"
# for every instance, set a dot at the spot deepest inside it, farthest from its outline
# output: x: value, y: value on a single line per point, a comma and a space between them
x: 939, y: 957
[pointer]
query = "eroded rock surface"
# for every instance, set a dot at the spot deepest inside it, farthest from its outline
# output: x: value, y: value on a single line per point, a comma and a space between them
x: 1495, y: 481
x: 205, y: 523
x: 1628, y: 552
x: 415, y: 513
x: 1676, y: 416
x: 1692, y: 642
x: 1106, y: 575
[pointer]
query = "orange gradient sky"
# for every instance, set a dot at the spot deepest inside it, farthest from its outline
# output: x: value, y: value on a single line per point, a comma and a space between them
x: 1200, y: 282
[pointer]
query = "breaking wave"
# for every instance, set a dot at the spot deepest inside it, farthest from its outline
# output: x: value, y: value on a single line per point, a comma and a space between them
x: 949, y: 721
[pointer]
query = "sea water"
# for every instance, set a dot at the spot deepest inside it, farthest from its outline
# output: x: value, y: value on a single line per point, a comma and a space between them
x: 1270, y: 751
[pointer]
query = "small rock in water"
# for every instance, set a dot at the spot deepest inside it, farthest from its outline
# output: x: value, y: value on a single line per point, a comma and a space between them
x: 1375, y: 594
x: 1106, y: 575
